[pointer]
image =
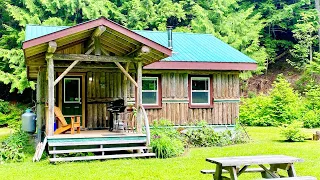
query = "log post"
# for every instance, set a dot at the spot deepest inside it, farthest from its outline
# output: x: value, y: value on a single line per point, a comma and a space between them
x: 50, y: 68
x: 40, y: 101
x: 316, y: 136
x: 139, y: 97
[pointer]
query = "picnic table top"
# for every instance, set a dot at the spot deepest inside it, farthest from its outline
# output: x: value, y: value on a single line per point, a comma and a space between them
x: 249, y: 160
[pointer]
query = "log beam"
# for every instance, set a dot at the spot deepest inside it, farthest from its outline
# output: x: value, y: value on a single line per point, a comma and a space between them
x: 126, y: 73
x: 83, y: 57
x: 70, y: 67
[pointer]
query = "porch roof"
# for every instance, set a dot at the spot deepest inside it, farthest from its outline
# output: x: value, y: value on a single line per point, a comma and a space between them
x: 115, y: 39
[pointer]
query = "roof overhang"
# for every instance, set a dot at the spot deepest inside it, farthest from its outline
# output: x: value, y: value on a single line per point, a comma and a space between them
x: 118, y: 39
x: 169, y: 65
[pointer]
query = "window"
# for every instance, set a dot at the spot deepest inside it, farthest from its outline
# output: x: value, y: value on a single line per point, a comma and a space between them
x: 72, y: 90
x: 150, y: 92
x: 200, y: 91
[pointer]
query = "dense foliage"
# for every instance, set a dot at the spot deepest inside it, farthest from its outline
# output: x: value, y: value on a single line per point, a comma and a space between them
x: 10, y: 115
x: 267, y: 31
x: 207, y: 137
x: 168, y: 141
x: 282, y: 106
x: 15, y: 147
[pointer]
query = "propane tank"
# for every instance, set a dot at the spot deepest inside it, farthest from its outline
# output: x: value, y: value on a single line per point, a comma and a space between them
x: 29, y: 121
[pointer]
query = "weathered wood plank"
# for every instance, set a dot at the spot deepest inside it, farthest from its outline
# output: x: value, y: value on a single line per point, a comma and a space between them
x: 93, y: 58
x: 89, y: 95
x: 98, y: 95
x: 111, y: 79
x: 94, y: 106
x: 101, y: 157
x: 103, y: 95
x: 120, y: 83
x: 98, y: 149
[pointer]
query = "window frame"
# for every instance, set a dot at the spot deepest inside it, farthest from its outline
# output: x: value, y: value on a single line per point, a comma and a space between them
x: 158, y: 104
x: 210, y: 92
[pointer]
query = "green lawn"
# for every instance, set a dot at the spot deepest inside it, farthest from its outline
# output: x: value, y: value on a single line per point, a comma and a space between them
x: 265, y: 141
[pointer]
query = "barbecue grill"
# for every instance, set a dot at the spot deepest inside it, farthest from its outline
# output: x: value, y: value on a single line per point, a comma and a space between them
x: 115, y: 107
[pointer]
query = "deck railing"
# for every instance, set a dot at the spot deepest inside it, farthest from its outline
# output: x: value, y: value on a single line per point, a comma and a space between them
x: 146, y: 123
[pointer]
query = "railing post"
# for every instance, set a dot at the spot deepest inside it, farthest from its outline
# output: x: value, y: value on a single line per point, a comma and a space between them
x: 146, y: 123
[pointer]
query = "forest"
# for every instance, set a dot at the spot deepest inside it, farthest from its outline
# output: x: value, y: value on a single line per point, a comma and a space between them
x: 272, y: 32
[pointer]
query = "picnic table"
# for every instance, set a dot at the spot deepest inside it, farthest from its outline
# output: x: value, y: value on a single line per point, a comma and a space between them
x: 235, y: 166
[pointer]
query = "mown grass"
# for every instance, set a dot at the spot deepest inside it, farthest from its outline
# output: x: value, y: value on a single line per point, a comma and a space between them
x: 265, y: 141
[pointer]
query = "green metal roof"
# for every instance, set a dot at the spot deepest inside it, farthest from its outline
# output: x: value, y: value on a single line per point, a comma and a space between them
x: 187, y: 47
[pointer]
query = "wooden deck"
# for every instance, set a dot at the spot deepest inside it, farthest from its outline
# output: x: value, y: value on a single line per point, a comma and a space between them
x: 97, y: 144
x: 95, y: 134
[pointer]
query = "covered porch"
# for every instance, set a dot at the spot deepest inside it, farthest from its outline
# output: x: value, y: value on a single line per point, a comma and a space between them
x: 81, y: 69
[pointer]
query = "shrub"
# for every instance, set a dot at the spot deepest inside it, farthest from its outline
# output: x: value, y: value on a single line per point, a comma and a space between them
x: 207, y: 137
x: 292, y: 132
x: 4, y: 107
x: 14, y: 147
x: 254, y: 111
x: 165, y: 147
x: 10, y: 115
x: 283, y: 105
x: 166, y: 140
x: 311, y: 119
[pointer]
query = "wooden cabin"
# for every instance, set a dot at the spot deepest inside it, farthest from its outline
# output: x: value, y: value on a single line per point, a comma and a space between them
x: 181, y: 77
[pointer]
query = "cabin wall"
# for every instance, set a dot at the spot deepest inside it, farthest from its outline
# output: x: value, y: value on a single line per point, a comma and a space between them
x: 101, y: 88
x: 175, y: 100
x: 106, y: 86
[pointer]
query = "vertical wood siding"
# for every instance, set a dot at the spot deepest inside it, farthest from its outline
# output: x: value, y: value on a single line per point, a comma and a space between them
x: 175, y: 105
x: 107, y: 85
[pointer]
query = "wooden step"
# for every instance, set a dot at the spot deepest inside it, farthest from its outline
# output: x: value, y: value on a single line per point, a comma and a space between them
x: 102, y: 157
x: 98, y: 149
x: 72, y: 143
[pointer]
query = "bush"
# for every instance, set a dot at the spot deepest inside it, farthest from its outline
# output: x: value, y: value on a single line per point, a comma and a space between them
x: 207, y: 137
x: 10, y: 115
x: 285, y: 102
x: 292, y: 132
x: 254, y: 111
x: 165, y: 147
x: 13, y: 149
x: 166, y: 140
x: 311, y: 119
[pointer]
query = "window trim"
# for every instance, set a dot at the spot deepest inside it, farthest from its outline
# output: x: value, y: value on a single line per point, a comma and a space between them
x: 158, y: 105
x: 210, y: 92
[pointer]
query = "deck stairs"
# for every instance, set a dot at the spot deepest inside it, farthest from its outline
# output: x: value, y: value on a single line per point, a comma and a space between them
x: 94, y: 148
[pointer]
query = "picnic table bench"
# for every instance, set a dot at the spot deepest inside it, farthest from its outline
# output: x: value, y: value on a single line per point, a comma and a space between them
x: 235, y: 166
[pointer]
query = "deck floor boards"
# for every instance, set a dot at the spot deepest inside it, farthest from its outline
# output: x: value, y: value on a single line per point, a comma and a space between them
x: 95, y: 133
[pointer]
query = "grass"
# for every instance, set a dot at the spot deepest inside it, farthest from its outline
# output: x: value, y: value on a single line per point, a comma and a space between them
x: 4, y: 132
x: 265, y: 141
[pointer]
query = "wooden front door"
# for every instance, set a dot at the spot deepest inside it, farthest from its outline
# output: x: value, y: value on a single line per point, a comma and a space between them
x: 72, y: 96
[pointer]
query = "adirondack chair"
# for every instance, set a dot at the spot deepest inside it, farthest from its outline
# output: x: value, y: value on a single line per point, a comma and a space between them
x: 64, y: 125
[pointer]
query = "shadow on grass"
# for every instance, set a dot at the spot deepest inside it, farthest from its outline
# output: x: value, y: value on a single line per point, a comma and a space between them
x: 289, y: 142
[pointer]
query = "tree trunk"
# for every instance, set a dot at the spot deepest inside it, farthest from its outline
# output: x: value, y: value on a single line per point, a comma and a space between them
x: 317, y: 3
